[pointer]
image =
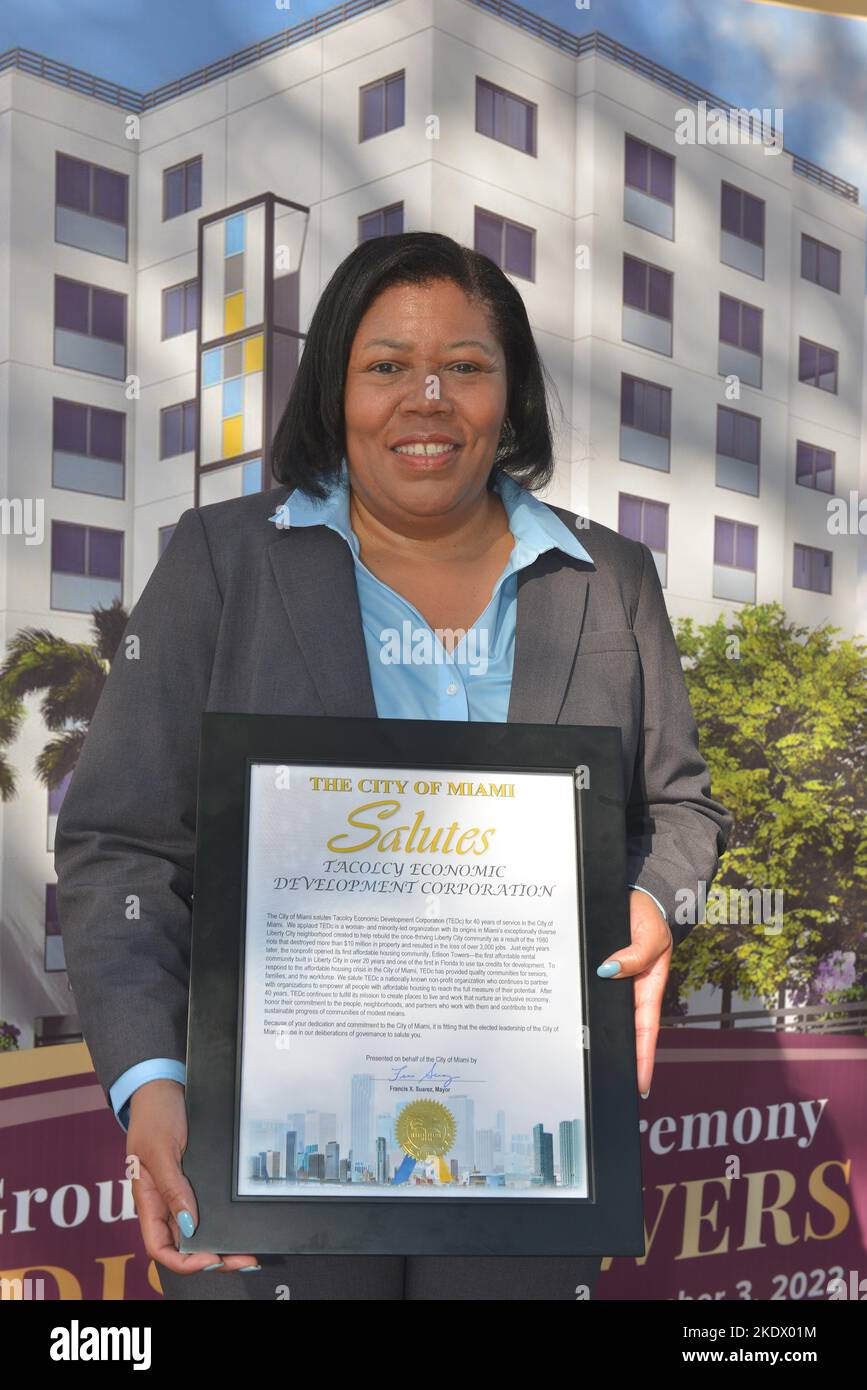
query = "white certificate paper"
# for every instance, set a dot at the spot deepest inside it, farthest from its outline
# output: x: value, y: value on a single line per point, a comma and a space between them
x: 412, y: 1006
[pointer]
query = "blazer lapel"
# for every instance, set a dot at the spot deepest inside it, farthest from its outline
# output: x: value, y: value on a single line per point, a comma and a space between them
x: 315, y: 574
x: 552, y: 598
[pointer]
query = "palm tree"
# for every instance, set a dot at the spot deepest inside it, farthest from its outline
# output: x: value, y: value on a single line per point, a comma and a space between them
x: 11, y: 717
x: 72, y: 675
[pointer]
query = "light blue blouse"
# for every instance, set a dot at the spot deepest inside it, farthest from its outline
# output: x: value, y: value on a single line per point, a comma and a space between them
x: 412, y: 674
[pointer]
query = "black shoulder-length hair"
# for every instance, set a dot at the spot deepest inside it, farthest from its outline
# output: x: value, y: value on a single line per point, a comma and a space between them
x: 310, y: 440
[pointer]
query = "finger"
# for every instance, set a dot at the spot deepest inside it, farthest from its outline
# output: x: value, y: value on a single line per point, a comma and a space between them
x: 636, y: 959
x: 225, y: 1263
x: 649, y: 992
x: 235, y: 1262
x: 159, y: 1231
x: 650, y: 940
x: 167, y: 1181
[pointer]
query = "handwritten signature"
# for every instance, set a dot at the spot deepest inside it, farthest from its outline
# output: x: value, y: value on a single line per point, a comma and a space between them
x: 444, y: 1078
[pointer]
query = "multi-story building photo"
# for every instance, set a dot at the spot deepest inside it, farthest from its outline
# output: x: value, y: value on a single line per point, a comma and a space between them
x: 699, y: 308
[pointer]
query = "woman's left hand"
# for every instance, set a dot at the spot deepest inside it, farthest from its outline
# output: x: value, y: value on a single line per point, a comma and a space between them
x: 647, y: 961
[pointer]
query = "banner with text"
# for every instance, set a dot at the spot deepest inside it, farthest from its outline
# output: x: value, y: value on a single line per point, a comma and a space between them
x: 754, y: 1156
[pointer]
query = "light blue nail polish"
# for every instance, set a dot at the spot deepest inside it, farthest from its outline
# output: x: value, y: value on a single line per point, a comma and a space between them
x: 218, y: 1265
x: 186, y: 1223
x: 245, y: 1269
x: 645, y: 1094
x: 611, y: 967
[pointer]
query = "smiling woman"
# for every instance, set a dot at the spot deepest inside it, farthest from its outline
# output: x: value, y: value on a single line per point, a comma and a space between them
x: 434, y: 379
x: 408, y: 454
x: 374, y: 318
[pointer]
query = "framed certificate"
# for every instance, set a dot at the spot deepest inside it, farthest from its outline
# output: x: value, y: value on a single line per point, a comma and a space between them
x: 398, y: 1042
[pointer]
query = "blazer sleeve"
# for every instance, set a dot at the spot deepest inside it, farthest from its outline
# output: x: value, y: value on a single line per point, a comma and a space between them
x: 676, y: 831
x: 125, y: 838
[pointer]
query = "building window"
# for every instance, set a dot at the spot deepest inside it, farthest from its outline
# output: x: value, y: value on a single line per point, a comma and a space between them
x: 54, y: 1029
x: 510, y: 245
x: 55, y: 801
x: 165, y: 535
x: 182, y: 188
x: 181, y: 309
x: 743, y: 215
x: 650, y: 170
x: 812, y: 569
x: 505, y: 117
x: 56, y: 795
x: 740, y: 324
x: 648, y: 293
x: 647, y: 287
x: 740, y: 340
x: 86, y: 566
x: 91, y: 207
x: 232, y: 251
x: 55, y: 958
x: 645, y: 423
x: 649, y: 188
x: 820, y: 263
x: 177, y: 429
x: 88, y: 448
x: 742, y: 221
x: 384, y: 222
x: 817, y: 365
x: 641, y: 519
x: 814, y: 467
x: 381, y: 106
x: 231, y: 413
x: 230, y: 480
x: 734, y: 560
x: 89, y: 328
x: 738, y: 450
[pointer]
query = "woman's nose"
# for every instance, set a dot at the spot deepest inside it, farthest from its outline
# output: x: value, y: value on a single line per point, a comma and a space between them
x: 426, y: 390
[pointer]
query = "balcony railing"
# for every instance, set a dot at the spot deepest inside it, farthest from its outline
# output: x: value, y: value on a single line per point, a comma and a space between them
x: 577, y: 46
x: 808, y: 170
x: 87, y: 83
x: 255, y: 52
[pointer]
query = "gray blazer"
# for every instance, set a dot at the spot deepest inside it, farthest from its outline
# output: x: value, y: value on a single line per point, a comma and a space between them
x: 238, y: 616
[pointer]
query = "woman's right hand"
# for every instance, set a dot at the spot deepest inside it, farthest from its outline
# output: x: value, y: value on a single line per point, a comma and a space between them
x: 157, y: 1137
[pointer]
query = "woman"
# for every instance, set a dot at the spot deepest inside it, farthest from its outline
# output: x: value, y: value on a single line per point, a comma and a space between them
x: 416, y: 432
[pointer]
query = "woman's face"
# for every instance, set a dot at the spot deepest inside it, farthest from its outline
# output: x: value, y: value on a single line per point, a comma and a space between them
x: 425, y: 369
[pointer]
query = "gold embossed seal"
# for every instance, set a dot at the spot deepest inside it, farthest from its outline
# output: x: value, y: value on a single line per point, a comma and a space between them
x: 425, y: 1129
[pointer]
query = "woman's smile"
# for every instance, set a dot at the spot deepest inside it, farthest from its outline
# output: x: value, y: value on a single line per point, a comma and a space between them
x: 427, y: 455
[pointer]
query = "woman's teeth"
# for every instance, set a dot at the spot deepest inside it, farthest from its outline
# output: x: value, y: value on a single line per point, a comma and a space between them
x: 430, y: 450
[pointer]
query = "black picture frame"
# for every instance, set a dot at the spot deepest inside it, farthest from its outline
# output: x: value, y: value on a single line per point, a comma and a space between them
x: 609, y: 1221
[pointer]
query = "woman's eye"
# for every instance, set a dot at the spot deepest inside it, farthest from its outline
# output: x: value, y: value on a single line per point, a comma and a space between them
x: 385, y: 368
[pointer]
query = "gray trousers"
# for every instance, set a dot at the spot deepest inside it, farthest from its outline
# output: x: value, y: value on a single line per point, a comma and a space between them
x: 444, y: 1277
